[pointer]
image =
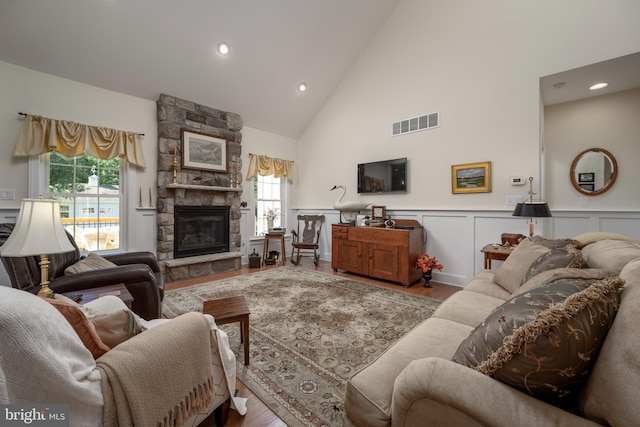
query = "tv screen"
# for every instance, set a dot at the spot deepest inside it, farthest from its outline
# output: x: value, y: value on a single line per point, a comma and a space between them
x: 385, y: 176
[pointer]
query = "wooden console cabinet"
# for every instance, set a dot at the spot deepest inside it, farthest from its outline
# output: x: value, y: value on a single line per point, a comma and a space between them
x: 383, y: 253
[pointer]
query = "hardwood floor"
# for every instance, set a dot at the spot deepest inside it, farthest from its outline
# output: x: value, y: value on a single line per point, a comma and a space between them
x: 258, y: 414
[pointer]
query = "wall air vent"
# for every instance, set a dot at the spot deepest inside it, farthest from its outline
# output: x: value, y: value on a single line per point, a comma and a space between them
x: 416, y: 124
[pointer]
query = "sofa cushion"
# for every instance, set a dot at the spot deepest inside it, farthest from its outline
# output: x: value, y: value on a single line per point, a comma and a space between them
x: 593, y: 236
x: 545, y: 341
x: 367, y: 399
x: 483, y: 283
x: 610, y: 254
x: 560, y: 274
x: 93, y: 261
x: 468, y: 308
x: 512, y: 271
x: 610, y: 395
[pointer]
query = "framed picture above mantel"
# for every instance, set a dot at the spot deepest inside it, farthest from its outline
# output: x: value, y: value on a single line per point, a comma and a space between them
x: 203, y: 152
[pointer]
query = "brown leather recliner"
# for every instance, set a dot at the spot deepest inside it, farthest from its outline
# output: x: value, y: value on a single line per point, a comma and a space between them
x: 138, y: 271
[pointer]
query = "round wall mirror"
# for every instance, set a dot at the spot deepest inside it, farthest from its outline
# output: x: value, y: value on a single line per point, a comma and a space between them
x: 593, y: 171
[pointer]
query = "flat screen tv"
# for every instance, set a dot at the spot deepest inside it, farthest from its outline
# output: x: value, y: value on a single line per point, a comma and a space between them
x: 385, y: 176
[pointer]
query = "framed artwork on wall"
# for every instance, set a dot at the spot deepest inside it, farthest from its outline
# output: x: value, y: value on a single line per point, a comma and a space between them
x: 471, y: 178
x: 586, y: 177
x: 203, y: 152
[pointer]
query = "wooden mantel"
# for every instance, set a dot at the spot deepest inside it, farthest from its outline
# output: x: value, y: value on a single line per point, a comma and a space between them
x: 203, y: 187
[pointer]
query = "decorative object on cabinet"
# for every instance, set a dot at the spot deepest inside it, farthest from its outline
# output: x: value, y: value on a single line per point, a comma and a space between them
x: 532, y: 208
x: 384, y: 253
x: 348, y: 209
x: 203, y: 152
x: 378, y: 213
x: 361, y: 220
x: 471, y: 178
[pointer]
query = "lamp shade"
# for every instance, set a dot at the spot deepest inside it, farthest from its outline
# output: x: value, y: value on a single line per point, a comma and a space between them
x: 38, y: 231
x: 532, y: 210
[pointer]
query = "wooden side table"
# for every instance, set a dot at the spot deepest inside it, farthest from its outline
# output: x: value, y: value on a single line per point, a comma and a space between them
x: 491, y: 252
x: 229, y: 310
x: 265, y: 249
x: 88, y: 295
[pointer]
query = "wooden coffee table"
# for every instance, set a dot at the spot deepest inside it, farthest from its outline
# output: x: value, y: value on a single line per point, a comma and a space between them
x: 229, y: 310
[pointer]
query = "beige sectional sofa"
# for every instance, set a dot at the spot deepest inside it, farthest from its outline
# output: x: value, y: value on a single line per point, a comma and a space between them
x: 416, y: 383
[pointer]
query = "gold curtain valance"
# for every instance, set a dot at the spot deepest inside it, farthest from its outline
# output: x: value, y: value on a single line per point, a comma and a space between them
x: 265, y: 165
x: 40, y: 135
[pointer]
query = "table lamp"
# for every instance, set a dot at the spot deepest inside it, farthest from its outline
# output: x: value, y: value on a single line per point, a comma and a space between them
x: 532, y: 208
x: 38, y: 231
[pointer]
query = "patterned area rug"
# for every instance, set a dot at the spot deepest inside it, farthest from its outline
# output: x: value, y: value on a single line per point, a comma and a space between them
x: 309, y: 332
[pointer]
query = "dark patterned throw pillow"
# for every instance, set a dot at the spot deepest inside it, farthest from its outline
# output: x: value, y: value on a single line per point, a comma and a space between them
x: 544, y: 342
x: 569, y: 257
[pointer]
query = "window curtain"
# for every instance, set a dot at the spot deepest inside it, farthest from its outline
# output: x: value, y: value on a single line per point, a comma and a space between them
x: 265, y: 165
x: 40, y: 135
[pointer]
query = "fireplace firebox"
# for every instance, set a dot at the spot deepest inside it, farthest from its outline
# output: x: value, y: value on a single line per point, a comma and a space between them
x: 200, y: 230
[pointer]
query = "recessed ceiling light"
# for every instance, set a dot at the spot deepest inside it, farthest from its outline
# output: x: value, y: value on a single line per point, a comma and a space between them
x: 223, y: 48
x: 302, y: 87
x: 598, y: 86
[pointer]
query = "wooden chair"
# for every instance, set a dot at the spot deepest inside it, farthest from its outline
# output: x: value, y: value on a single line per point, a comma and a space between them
x: 308, y: 239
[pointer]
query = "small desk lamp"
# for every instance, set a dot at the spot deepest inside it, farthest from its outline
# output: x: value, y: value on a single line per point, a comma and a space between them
x: 531, y: 208
x: 38, y: 231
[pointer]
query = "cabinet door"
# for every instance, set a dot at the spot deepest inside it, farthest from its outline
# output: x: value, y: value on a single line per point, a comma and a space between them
x: 350, y: 256
x: 383, y: 261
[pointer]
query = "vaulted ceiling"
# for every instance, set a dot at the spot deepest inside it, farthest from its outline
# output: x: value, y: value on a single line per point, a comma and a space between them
x: 148, y: 47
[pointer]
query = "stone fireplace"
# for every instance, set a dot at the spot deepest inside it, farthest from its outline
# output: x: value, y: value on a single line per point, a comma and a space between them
x: 207, y: 203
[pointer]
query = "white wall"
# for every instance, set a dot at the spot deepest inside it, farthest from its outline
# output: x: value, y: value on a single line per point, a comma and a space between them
x: 29, y: 91
x: 609, y: 122
x: 476, y: 62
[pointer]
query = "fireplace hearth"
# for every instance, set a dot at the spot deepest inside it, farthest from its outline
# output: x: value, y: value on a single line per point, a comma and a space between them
x: 200, y: 230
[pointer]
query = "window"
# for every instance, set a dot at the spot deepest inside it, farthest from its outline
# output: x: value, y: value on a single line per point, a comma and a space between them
x: 269, y: 196
x: 89, y: 191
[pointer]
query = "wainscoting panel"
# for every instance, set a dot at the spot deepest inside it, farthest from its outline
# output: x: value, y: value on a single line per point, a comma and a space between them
x: 456, y: 237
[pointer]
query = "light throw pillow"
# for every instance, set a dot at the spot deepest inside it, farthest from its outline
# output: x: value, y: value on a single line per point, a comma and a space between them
x: 545, y: 342
x: 91, y: 262
x: 611, y: 254
x: 83, y: 327
x: 514, y: 268
x: 116, y: 327
x: 593, y: 236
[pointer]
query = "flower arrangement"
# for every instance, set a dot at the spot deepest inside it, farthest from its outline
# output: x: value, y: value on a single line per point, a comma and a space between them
x: 272, y: 214
x: 427, y: 263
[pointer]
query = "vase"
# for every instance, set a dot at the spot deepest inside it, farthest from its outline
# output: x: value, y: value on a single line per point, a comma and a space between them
x: 427, y: 277
x: 269, y: 224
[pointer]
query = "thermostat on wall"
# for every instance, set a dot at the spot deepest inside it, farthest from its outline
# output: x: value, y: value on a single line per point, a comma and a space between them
x: 517, y: 180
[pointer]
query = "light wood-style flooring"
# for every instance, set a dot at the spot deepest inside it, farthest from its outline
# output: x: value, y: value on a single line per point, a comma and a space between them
x: 258, y: 414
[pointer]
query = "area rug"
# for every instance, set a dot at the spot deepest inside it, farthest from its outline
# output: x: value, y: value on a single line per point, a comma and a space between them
x: 309, y: 332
